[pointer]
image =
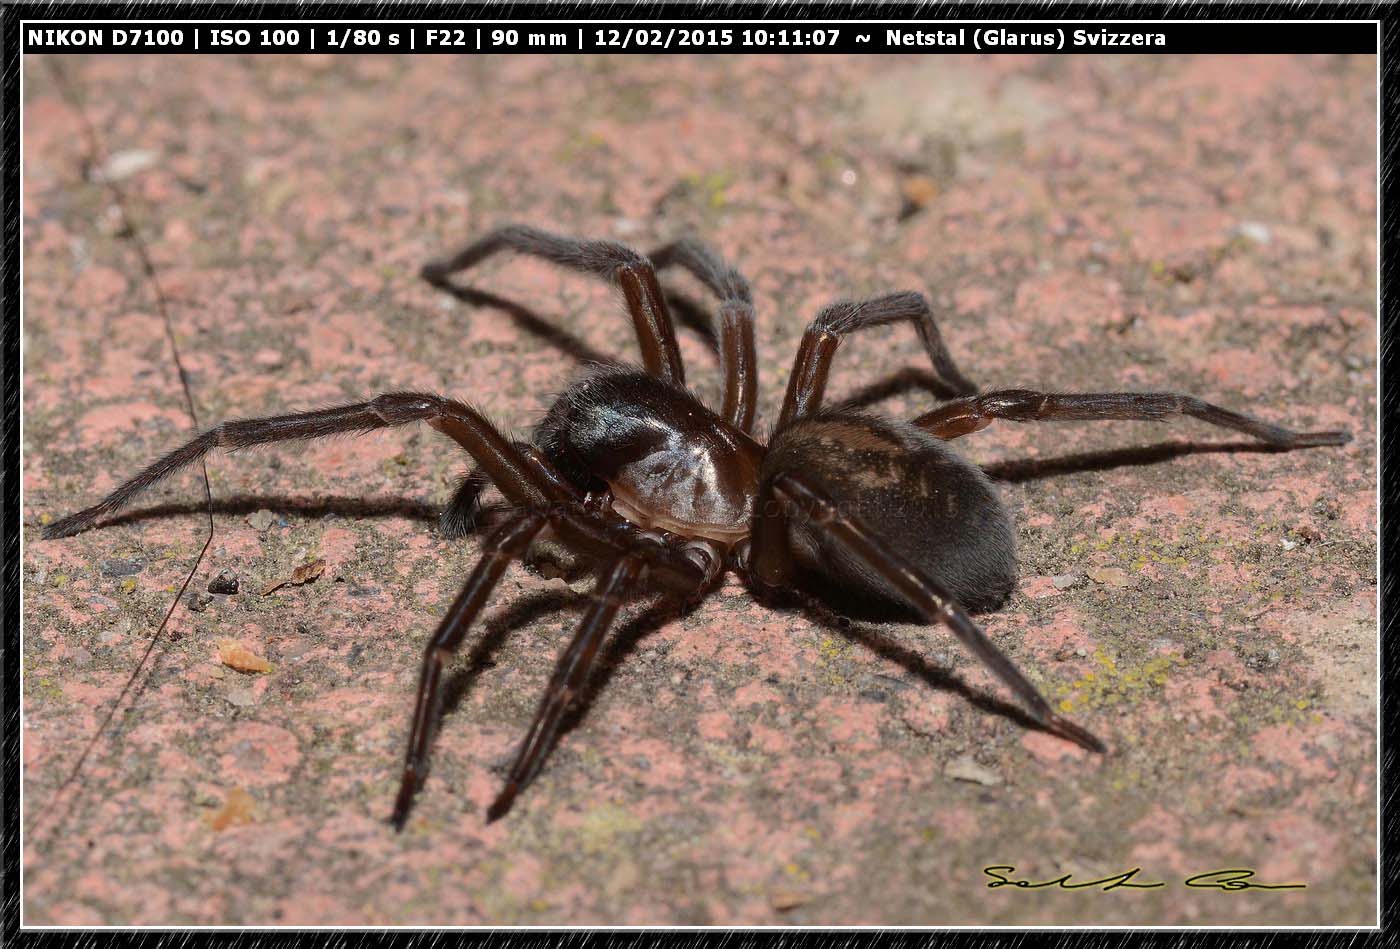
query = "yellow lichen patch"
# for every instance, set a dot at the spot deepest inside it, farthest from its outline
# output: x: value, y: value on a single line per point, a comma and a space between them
x: 831, y: 653
x: 1109, y: 684
x: 710, y: 188
x: 603, y: 825
x: 796, y: 872
x: 1140, y: 549
x: 1289, y: 711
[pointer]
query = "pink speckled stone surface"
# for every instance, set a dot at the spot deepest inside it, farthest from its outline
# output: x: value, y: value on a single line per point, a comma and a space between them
x: 1196, y: 224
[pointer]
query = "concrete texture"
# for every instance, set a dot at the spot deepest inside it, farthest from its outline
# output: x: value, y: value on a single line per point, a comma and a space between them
x: 1196, y: 224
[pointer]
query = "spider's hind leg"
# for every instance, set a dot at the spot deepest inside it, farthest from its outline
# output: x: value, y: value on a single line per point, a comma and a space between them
x: 807, y: 383
x: 1024, y: 405
x: 806, y: 499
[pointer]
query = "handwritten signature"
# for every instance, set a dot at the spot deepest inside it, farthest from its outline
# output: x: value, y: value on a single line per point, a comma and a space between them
x: 1229, y: 880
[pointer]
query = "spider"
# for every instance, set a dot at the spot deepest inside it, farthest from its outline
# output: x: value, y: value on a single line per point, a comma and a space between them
x: 630, y: 468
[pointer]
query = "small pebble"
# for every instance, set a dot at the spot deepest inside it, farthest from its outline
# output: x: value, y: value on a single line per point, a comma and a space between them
x: 124, y: 164
x: 121, y: 568
x: 1287, y: 544
x: 298, y: 648
x: 966, y: 768
x: 1112, y: 576
x: 242, y: 698
x: 260, y: 520
x: 197, y: 601
x: 1066, y: 581
x: 225, y: 583
x: 1255, y: 231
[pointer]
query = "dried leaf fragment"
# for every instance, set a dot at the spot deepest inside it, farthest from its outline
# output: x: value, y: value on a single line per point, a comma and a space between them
x: 235, y: 655
x: 301, y: 576
x: 783, y: 899
x: 237, y: 809
x: 919, y: 190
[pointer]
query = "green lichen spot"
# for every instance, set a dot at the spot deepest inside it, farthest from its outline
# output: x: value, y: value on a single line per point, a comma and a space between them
x: 1111, y: 684
x: 603, y: 825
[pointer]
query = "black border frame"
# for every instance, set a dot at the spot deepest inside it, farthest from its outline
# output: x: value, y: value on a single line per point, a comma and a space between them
x: 10, y: 527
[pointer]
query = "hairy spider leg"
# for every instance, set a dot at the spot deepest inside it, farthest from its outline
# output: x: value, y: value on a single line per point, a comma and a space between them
x: 738, y: 362
x: 810, y: 369
x: 615, y: 263
x: 1023, y: 405
x: 570, y: 674
x: 505, y: 544
x: 459, y: 517
x: 596, y: 529
x: 520, y: 480
x: 933, y: 601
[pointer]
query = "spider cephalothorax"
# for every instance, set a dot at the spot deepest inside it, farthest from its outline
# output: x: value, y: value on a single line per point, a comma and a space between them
x: 631, y: 468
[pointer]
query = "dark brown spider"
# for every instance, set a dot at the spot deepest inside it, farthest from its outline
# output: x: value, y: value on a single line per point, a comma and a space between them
x: 630, y: 467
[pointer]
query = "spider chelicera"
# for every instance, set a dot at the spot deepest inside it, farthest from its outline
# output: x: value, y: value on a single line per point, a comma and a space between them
x: 631, y: 468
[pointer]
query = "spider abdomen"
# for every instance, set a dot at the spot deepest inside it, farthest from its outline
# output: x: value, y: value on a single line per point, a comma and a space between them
x: 922, y: 498
x: 669, y: 462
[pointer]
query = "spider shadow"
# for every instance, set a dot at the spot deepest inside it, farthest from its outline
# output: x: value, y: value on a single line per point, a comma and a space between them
x: 338, y: 505
x: 496, y: 629
x: 1022, y: 470
x: 900, y: 382
x: 823, y: 611
x: 661, y: 610
x: 621, y: 644
x: 694, y: 316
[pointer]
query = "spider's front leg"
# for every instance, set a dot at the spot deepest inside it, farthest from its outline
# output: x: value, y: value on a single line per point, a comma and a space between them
x: 519, y: 478
x: 570, y: 674
x: 631, y: 553
x: 508, y: 543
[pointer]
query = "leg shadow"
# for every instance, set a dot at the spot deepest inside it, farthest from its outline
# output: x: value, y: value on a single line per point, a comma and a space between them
x: 305, y: 507
x: 687, y: 312
x: 1033, y: 469
x: 900, y: 382
x: 934, y: 676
